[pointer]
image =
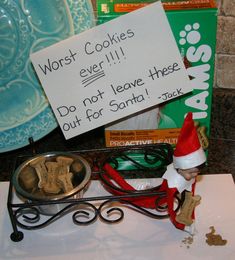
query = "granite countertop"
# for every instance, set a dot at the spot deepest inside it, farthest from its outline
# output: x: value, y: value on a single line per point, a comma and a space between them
x: 221, y: 155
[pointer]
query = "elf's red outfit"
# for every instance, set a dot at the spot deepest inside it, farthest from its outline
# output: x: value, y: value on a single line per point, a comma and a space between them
x: 188, y: 154
x: 173, y: 184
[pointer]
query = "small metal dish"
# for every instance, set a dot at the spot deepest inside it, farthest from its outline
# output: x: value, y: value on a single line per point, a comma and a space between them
x: 52, y: 177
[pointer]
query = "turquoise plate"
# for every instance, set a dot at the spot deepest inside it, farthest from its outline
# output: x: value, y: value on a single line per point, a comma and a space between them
x: 25, y: 27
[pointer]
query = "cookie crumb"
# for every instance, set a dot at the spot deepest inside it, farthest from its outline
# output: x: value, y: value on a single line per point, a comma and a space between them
x: 215, y: 239
x: 187, y: 241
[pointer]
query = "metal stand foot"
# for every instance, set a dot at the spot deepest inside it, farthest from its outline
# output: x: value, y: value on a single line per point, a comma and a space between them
x: 17, y: 236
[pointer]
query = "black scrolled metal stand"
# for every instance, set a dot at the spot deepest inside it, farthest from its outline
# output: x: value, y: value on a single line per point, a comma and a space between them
x: 27, y: 215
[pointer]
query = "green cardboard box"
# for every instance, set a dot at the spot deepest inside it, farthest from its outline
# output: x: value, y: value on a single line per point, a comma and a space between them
x: 193, y: 24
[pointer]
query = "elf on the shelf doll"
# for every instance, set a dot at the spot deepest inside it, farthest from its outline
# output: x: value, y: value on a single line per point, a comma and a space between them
x: 188, y: 158
x: 179, y: 178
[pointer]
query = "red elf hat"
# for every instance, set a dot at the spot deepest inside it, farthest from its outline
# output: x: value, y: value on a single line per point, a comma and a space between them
x: 188, y: 152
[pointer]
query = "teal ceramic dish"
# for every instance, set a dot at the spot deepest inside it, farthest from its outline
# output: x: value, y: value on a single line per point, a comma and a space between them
x: 25, y: 27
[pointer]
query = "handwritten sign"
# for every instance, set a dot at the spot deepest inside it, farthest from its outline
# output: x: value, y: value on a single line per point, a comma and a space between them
x: 111, y: 71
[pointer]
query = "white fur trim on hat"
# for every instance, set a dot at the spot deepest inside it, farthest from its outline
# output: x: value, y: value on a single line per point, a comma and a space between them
x: 191, y: 160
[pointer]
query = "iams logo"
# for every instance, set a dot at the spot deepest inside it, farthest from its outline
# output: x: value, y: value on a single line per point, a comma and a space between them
x: 199, y: 74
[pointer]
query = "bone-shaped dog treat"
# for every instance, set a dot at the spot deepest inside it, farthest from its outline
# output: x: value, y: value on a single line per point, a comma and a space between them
x: 190, y: 202
x: 29, y: 178
x: 202, y: 137
x: 51, y: 185
x: 64, y: 179
x: 64, y: 163
x: 76, y: 166
x: 39, y: 165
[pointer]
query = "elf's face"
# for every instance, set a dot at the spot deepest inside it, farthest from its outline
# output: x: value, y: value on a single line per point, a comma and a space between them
x: 189, y: 174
